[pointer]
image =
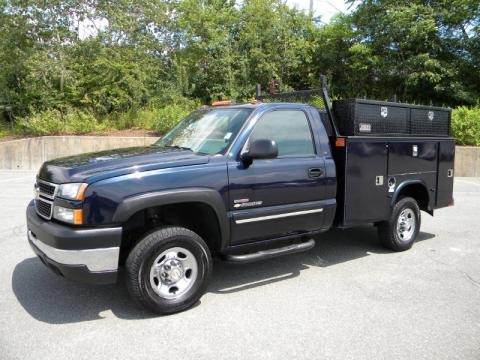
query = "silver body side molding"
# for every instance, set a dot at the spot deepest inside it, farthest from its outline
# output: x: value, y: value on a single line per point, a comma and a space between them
x: 278, y: 216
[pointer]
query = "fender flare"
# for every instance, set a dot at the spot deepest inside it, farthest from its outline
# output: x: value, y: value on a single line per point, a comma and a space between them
x: 210, y: 197
x: 406, y: 183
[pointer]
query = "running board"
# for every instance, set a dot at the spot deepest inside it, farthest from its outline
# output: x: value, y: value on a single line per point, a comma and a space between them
x: 267, y: 254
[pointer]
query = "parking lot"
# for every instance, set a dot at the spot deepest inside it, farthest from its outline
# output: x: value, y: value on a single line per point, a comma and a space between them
x: 348, y: 298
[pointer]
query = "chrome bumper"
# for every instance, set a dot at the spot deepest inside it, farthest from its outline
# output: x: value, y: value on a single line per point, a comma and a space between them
x: 96, y: 260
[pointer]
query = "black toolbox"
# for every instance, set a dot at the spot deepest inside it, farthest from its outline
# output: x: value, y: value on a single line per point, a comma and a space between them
x: 371, y: 117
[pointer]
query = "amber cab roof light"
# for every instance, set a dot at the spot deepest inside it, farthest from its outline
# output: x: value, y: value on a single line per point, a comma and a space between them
x: 223, y: 103
x: 340, y: 142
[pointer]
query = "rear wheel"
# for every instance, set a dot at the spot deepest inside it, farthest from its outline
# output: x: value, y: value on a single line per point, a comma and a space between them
x: 168, y: 270
x: 400, y: 231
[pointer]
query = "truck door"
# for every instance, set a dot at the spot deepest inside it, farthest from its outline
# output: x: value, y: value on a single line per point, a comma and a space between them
x: 281, y: 196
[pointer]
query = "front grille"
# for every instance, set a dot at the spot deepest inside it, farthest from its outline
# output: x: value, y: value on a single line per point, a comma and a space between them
x: 47, y: 189
x: 44, y: 208
x: 45, y: 194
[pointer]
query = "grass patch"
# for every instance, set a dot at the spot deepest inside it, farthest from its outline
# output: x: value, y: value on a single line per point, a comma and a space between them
x: 77, y: 122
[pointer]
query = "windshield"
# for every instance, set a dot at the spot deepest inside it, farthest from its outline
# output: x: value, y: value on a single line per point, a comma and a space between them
x: 206, y: 131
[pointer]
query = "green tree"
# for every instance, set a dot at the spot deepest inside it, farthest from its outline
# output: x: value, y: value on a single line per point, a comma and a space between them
x: 425, y: 48
x: 151, y: 53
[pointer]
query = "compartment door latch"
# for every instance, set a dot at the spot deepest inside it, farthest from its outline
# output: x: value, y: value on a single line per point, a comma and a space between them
x: 415, y: 150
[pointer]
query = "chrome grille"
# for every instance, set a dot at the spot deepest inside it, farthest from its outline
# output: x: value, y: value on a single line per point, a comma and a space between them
x: 46, y: 189
x: 44, y: 195
x: 44, y: 208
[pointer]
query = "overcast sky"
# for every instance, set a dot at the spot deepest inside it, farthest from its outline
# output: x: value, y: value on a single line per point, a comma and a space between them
x: 325, y: 8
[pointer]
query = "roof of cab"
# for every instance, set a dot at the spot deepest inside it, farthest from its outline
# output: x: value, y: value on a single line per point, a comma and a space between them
x: 256, y: 105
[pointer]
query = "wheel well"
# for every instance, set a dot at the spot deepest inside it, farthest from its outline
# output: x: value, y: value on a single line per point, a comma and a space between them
x: 418, y: 192
x: 195, y: 216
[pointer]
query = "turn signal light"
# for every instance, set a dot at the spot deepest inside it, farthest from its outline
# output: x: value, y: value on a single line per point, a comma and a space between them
x: 81, y: 192
x: 78, y: 216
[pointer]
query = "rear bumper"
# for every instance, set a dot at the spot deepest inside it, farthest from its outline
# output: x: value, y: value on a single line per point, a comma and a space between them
x: 87, y: 255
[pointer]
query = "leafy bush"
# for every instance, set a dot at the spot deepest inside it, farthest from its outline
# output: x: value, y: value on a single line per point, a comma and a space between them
x: 4, y: 129
x: 121, y: 120
x: 146, y: 118
x: 158, y: 117
x: 48, y: 122
x: 80, y: 122
x: 466, y: 125
x: 54, y: 122
x: 168, y: 116
x: 75, y: 121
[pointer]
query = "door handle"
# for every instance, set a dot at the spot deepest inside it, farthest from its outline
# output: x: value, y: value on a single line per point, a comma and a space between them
x: 315, y: 172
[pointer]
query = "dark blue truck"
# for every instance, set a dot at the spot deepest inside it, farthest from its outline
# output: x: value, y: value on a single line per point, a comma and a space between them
x: 242, y: 183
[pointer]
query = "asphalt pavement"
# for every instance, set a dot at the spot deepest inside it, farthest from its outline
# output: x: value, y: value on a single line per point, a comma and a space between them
x: 347, y: 298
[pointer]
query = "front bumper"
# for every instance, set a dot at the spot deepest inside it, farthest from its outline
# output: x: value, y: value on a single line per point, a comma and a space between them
x: 87, y: 255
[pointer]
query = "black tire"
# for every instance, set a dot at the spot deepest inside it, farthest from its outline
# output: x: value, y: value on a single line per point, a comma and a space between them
x: 140, y: 263
x: 390, y: 236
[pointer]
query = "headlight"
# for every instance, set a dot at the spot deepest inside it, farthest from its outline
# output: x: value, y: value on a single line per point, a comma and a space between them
x: 71, y: 216
x: 74, y: 191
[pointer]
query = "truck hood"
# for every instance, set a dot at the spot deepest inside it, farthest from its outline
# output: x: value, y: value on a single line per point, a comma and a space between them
x: 91, y: 167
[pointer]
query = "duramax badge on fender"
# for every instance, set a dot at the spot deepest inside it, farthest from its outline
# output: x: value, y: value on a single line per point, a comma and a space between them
x: 241, y: 183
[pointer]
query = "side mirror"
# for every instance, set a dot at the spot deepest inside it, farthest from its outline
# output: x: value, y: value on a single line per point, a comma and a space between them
x: 260, y: 149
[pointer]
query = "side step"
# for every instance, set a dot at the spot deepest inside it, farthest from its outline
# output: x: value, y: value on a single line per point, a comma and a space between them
x: 267, y: 254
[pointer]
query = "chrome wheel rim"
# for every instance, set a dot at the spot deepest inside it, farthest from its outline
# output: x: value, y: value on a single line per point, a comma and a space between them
x: 406, y: 225
x: 173, y: 272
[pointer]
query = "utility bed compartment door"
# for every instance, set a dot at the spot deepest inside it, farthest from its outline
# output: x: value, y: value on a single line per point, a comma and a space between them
x: 412, y: 157
x: 366, y: 184
x: 446, y: 155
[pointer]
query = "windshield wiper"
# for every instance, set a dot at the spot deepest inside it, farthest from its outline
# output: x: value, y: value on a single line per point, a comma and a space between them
x: 178, y: 147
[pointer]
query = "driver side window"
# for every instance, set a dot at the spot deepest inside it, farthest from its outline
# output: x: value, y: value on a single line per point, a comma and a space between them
x: 289, y: 129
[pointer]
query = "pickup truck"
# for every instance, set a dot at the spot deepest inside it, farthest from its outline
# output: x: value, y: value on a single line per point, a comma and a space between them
x: 237, y: 182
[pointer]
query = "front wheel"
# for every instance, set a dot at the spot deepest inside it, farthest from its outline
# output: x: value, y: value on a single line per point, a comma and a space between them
x: 400, y: 231
x: 168, y: 270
